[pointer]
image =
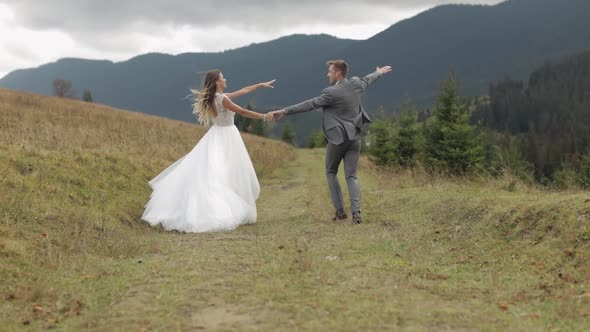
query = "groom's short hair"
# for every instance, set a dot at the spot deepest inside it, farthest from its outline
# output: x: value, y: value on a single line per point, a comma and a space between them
x: 339, y: 65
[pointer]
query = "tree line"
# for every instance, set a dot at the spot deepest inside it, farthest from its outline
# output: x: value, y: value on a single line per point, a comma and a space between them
x: 538, y: 131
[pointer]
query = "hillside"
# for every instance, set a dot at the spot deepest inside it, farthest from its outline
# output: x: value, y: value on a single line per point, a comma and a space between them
x: 73, y: 182
x: 548, y: 114
x: 482, y: 44
x: 432, y: 254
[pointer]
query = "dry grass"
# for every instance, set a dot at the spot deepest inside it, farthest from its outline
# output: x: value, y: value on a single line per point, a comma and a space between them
x: 433, y: 254
x: 73, y: 182
x: 38, y: 123
x: 501, y: 245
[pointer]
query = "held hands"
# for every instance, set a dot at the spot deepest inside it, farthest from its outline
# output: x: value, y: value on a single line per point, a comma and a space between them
x: 274, y: 116
x: 384, y: 69
x: 278, y: 115
x: 268, y: 117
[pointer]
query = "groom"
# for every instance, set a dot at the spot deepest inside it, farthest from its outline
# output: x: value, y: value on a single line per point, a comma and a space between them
x: 343, y: 120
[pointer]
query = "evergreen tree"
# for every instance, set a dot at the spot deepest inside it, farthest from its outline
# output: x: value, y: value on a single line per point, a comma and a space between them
x: 491, y: 152
x: 567, y: 177
x: 317, y: 140
x: 511, y: 160
x: 243, y: 123
x: 259, y: 127
x: 549, y: 112
x: 87, y: 96
x: 452, y: 146
x: 406, y: 145
x: 288, y: 134
x: 382, y: 148
x: 584, y: 172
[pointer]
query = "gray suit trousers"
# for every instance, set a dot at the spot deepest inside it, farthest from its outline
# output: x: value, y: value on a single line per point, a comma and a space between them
x: 349, y: 151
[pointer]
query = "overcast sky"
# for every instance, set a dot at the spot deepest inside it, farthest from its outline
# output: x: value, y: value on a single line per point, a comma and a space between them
x: 34, y: 32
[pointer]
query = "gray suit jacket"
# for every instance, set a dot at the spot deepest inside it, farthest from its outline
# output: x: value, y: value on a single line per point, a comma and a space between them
x: 342, y: 109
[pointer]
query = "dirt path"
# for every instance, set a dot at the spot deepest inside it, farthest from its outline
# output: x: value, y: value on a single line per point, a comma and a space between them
x: 297, y: 270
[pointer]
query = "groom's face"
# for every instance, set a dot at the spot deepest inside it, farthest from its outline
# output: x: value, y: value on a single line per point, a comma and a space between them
x: 333, y: 75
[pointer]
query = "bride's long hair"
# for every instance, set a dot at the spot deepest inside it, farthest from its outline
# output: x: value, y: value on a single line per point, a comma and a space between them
x: 204, y: 105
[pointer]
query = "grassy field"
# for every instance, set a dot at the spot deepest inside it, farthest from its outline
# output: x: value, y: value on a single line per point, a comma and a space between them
x: 432, y: 255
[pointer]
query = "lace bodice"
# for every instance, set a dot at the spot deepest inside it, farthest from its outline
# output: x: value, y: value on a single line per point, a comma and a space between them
x: 224, y: 116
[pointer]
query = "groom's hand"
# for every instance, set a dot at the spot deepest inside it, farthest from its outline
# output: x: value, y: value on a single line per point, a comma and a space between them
x: 277, y: 115
x: 269, y: 117
x: 384, y: 69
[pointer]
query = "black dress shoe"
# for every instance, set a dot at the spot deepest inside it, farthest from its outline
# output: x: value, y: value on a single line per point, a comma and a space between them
x: 356, y: 218
x: 340, y: 215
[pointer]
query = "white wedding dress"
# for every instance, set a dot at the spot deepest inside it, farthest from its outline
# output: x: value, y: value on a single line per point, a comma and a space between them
x: 213, y: 187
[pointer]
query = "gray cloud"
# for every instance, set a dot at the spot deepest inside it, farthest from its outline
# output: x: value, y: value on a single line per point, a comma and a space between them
x: 42, y: 31
x: 84, y: 16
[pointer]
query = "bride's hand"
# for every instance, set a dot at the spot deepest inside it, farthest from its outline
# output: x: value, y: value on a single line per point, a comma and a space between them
x: 268, y: 84
x: 267, y: 117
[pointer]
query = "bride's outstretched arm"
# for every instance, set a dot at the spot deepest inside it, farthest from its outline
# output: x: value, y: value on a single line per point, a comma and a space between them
x: 230, y: 105
x: 248, y: 89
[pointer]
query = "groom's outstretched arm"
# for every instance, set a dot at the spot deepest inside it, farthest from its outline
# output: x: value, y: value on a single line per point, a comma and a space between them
x: 320, y: 101
x: 367, y: 80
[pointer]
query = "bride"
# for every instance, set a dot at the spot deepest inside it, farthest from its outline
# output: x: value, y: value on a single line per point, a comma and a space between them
x: 214, y: 186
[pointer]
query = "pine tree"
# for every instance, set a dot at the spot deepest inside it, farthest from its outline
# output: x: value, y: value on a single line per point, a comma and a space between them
x: 259, y: 127
x: 584, y: 172
x: 406, y: 142
x: 243, y: 123
x: 382, y: 147
x: 288, y: 134
x: 87, y: 96
x: 317, y: 140
x: 492, y: 153
x: 550, y: 111
x: 452, y: 146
